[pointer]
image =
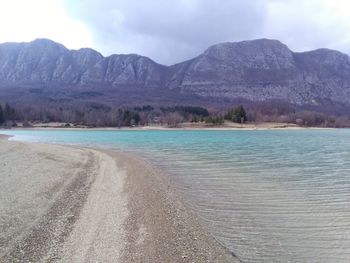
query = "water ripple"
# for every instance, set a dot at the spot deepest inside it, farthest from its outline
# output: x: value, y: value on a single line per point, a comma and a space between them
x: 269, y: 196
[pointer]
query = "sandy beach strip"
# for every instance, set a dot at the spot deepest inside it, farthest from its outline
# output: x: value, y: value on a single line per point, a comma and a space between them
x: 72, y: 204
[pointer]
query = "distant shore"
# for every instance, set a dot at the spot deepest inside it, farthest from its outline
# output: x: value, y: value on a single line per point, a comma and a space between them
x: 82, y: 204
x: 180, y: 126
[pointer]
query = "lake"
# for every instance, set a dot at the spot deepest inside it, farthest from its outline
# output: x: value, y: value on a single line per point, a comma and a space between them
x: 268, y: 196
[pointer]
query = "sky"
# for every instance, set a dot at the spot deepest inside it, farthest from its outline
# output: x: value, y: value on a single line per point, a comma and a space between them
x: 171, y: 31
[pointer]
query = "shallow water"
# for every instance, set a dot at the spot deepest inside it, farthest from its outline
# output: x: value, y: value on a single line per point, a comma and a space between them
x: 269, y: 196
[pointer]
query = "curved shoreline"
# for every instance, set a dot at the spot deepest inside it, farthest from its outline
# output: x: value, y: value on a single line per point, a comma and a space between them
x: 170, y: 231
x: 148, y: 218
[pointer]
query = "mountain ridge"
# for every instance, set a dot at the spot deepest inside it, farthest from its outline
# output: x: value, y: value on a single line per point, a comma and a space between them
x: 252, y: 70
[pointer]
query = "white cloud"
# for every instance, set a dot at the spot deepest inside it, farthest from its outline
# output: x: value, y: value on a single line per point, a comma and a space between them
x: 25, y: 20
x: 305, y: 25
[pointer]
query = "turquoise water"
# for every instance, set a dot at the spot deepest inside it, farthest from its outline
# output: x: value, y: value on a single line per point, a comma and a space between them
x: 268, y: 196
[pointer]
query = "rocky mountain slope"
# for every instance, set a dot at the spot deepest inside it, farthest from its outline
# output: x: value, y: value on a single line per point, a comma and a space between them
x: 45, y: 61
x: 264, y: 70
x: 258, y: 70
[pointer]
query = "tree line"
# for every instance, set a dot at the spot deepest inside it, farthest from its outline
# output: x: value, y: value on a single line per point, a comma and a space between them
x: 100, y: 115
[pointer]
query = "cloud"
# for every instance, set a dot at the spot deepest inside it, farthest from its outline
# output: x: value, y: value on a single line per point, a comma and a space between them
x: 23, y: 20
x: 168, y: 31
x: 306, y: 25
x: 171, y: 31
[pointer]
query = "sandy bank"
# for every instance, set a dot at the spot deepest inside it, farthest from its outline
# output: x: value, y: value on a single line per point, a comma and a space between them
x: 59, y: 204
x: 70, y: 204
x: 181, y: 126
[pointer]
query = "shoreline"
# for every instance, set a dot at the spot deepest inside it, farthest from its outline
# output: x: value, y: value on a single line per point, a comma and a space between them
x: 176, y: 231
x: 134, y: 201
x: 156, y: 128
x: 180, y: 126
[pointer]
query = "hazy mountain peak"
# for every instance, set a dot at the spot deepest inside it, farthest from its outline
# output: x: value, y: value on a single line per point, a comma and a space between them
x: 251, y: 45
x: 45, y: 44
x: 87, y: 50
x: 327, y: 55
x: 261, y: 53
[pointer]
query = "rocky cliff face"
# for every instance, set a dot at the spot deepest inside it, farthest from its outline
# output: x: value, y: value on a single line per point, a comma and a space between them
x: 45, y: 61
x: 125, y: 70
x: 266, y: 69
x: 257, y: 70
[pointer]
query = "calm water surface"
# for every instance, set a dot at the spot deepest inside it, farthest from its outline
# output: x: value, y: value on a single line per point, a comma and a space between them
x: 269, y: 196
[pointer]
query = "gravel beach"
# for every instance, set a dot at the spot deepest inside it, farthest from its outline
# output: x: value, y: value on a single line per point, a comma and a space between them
x: 71, y: 204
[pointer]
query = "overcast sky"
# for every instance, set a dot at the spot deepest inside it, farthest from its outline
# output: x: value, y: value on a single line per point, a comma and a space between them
x: 169, y: 31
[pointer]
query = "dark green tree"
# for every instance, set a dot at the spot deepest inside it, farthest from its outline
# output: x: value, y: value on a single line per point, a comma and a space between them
x: 237, y: 114
x: 2, y: 118
x: 240, y: 116
x: 9, y: 112
x: 136, y: 117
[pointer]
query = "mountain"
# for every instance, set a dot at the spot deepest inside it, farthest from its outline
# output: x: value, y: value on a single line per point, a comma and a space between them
x: 45, y: 61
x: 264, y: 70
x: 258, y: 70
